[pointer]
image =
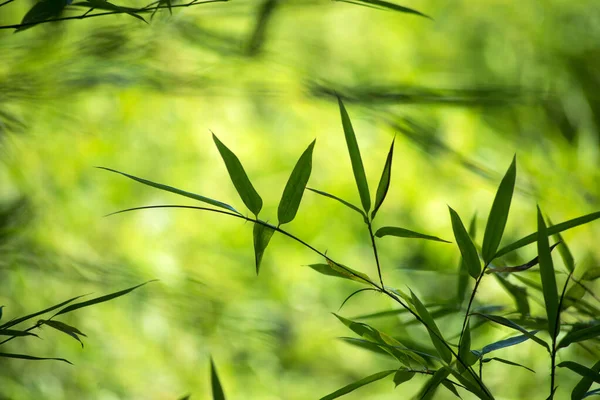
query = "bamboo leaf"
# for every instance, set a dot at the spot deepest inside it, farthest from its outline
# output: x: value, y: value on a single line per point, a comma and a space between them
x: 548, y: 279
x: 471, y: 385
x: 105, y: 5
x: 508, y: 362
x: 41, y: 11
x: 344, y: 202
x: 552, y: 230
x: 341, y: 271
x: 519, y: 268
x: 450, y: 386
x: 581, y: 370
x: 239, y: 178
x: 262, y: 236
x: 175, y: 190
x: 579, y: 335
x: 580, y: 390
x: 463, y: 272
x: 62, y: 327
x: 464, y: 348
x: 510, y: 324
x: 518, y: 293
x: 358, y: 384
x: 13, y: 332
x: 433, y: 383
x: 217, y: 390
x: 35, y: 314
x: 387, y: 5
x: 465, y: 244
x: 384, y: 181
x: 501, y: 344
x: 355, y: 158
x: 294, y: 189
x: 565, y: 252
x: 432, y: 329
x: 403, y: 375
x: 496, y: 222
x: 405, y: 233
x: 27, y: 357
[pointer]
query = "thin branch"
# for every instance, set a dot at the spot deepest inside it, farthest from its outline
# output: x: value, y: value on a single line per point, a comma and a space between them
x: 479, y: 278
x: 375, y: 252
x: 554, y: 335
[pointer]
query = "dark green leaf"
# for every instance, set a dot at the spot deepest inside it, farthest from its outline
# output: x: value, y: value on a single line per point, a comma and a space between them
x: 592, y: 393
x: 26, y: 357
x: 389, y: 6
x: 579, y: 335
x: 405, y: 233
x: 432, y: 329
x: 584, y: 384
x: 341, y: 271
x: 552, y: 230
x: 61, y: 326
x: 519, y: 268
x: 98, y: 300
x: 510, y: 324
x: 501, y: 344
x: 464, y: 349
x: 13, y: 332
x: 217, y: 390
x: 518, y: 293
x: 591, y: 274
x: 355, y: 293
x: 502, y: 360
x: 384, y: 182
x: 26, y: 317
x: 432, y: 384
x: 403, y: 375
x: 366, y: 345
x: 294, y: 189
x: 105, y: 5
x: 262, y: 236
x: 239, y: 178
x: 175, y: 190
x: 355, y: 158
x: 344, y: 202
x: 581, y: 370
x: 42, y: 11
x: 450, y: 386
x: 360, y: 383
x: 463, y: 272
x: 465, y: 244
x: 499, y: 213
x: 548, y: 279
x: 564, y: 251
x: 471, y: 385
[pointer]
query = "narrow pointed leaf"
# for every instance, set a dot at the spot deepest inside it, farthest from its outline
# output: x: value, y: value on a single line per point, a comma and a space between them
x: 518, y: 293
x: 450, y: 386
x: 551, y: 230
x: 591, y: 274
x: 508, y: 362
x: 27, y: 357
x: 580, y: 390
x: 355, y: 293
x: 579, y: 335
x: 217, y: 390
x: 13, y: 332
x: 565, y: 252
x: 510, y: 324
x: 463, y: 272
x: 366, y: 345
x: 433, y: 383
x: 581, y: 370
x: 355, y: 158
x: 548, y: 279
x: 41, y: 11
x: 501, y: 344
x: 432, y: 329
x: 595, y: 392
x: 294, y: 189
x: 344, y: 202
x: 471, y: 385
x: 464, y: 348
x: 499, y: 213
x: 465, y: 245
x: 403, y: 375
x: 175, y: 190
x: 62, y: 327
x: 405, y: 233
x: 519, y: 268
x: 384, y: 181
x: 262, y: 237
x: 360, y: 383
x: 341, y: 271
x: 47, y: 310
x: 389, y: 6
x: 239, y: 178
x: 105, y: 5
x: 98, y: 300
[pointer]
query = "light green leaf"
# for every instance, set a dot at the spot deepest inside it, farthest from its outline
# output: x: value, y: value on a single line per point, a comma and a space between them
x: 344, y: 202
x: 580, y: 390
x: 341, y: 271
x: 62, y: 327
x: 579, y: 335
x: 262, y: 236
x: 434, y: 333
x: 548, y: 279
x: 239, y: 178
x: 499, y: 213
x: 360, y: 383
x: 384, y: 182
x: 465, y: 244
x: 355, y: 158
x: 405, y: 233
x: 581, y: 370
x: 294, y: 189
x: 217, y: 390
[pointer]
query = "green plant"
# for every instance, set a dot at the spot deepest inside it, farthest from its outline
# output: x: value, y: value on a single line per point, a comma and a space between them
x: 452, y: 365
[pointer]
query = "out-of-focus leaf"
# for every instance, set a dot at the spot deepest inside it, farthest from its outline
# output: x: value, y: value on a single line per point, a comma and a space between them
x: 175, y: 190
x: 465, y: 244
x: 496, y: 222
x: 262, y: 236
x: 463, y: 272
x: 403, y: 375
x: 62, y: 327
x: 519, y: 268
x: 387, y: 5
x: 27, y: 317
x: 579, y: 335
x: 510, y: 324
x: 592, y: 393
x: 591, y: 274
x: 367, y: 345
x: 355, y: 158
x: 502, y: 360
x: 551, y: 230
x: 294, y: 189
x: 405, y: 233
x: 450, y: 386
x: 186, y: 397
x: 105, y: 5
x: 565, y: 252
x: 264, y: 17
x: 548, y: 279
x: 581, y: 370
x: 27, y: 357
x: 13, y: 332
x: 384, y: 181
x: 239, y: 178
x: 215, y: 383
x: 344, y: 202
x: 360, y: 383
x: 432, y: 384
x: 518, y: 293
x: 573, y: 295
x: 42, y: 11
x: 341, y: 271
x: 501, y: 344
x: 434, y: 333
x: 98, y: 300
x: 471, y: 385
x: 580, y: 390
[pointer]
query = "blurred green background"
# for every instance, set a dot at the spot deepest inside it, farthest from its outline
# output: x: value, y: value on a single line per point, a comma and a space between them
x: 462, y: 93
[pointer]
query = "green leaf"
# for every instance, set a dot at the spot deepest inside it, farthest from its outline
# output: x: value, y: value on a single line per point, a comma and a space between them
x: 384, y: 182
x: 47, y: 310
x: 105, y: 5
x: 62, y: 327
x: 595, y: 392
x: 341, y: 271
x: 580, y: 390
x: 591, y: 274
x: 465, y: 244
x: 42, y: 11
x: 579, y: 335
x: 581, y: 370
x: 433, y: 383
x: 344, y: 202
x: 98, y: 300
x: 360, y: 383
x: 501, y: 344
x: 175, y: 190
x: 548, y: 279
x: 262, y: 237
x: 499, y: 213
x: 387, y: 5
x: 26, y: 357
x: 239, y: 178
x: 508, y: 362
x: 552, y: 230
x: 564, y: 251
x: 356, y: 160
x: 405, y: 233
x: 294, y: 189
x: 519, y: 268
x: 471, y: 385
x: 518, y: 293
x: 510, y: 324
x: 13, y: 332
x: 464, y: 348
x: 463, y: 272
x: 450, y: 386
x: 366, y: 345
x: 217, y: 390
x: 403, y: 375
x: 434, y: 333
